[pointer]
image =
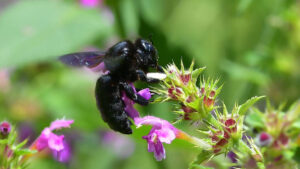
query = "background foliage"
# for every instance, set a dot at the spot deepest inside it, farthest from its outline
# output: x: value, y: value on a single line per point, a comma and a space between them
x: 252, y: 46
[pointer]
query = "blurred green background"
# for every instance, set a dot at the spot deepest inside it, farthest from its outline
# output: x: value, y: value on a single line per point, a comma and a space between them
x: 253, y: 47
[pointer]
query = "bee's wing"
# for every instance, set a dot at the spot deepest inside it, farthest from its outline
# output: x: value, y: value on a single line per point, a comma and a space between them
x: 87, y: 59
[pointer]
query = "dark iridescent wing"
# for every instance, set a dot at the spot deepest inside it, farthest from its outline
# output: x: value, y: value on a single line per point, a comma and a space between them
x: 88, y: 59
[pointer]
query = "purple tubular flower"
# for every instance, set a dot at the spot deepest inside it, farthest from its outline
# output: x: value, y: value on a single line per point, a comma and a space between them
x: 90, y: 3
x: 64, y: 155
x: 48, y: 139
x: 129, y: 109
x: 232, y: 156
x: 161, y: 132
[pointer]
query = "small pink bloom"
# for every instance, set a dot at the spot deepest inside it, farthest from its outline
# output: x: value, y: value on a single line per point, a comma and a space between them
x: 90, y: 3
x: 58, y: 124
x: 5, y: 128
x: 161, y: 132
x: 48, y: 139
x: 129, y: 109
x: 55, y: 142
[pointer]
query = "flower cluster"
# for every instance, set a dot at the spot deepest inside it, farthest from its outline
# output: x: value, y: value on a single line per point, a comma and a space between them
x: 50, y: 140
x: 14, y: 155
x: 164, y: 132
x: 221, y: 132
x: 161, y: 132
x: 278, y: 133
x: 180, y: 86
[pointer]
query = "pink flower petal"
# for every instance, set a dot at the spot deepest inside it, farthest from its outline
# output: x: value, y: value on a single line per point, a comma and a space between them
x: 55, y: 142
x: 64, y: 155
x: 166, y: 135
x: 159, y: 151
x: 162, y: 132
x: 90, y: 3
x: 58, y: 124
x: 149, y: 120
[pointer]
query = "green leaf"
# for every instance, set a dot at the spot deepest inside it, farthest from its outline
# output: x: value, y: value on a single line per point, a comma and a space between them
x: 195, y: 166
x: 244, y: 73
x: 24, y: 152
x: 33, y: 31
x: 260, y: 165
x: 195, y: 104
x: 255, y: 119
x: 3, y: 141
x: 196, y: 73
x: 20, y: 145
x: 244, y: 107
x: 296, y: 124
x: 201, y: 157
x: 128, y: 9
x: 146, y: 9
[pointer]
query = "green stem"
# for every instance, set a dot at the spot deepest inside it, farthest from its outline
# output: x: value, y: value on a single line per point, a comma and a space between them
x: 211, y: 119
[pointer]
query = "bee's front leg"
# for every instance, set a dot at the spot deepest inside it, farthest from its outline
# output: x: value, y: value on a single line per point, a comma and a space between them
x: 133, y: 95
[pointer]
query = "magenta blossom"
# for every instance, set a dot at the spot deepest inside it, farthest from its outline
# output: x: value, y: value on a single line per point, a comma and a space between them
x: 64, y: 155
x: 48, y: 139
x: 90, y: 3
x: 161, y: 132
x: 129, y: 109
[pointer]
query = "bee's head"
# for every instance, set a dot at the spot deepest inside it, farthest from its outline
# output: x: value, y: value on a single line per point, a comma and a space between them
x: 146, y: 54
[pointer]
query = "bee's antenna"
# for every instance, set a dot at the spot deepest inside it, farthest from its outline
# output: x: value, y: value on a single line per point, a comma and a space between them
x: 150, y: 38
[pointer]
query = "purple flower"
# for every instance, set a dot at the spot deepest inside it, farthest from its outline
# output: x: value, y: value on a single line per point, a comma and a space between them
x: 121, y: 145
x: 232, y: 156
x: 64, y: 155
x: 26, y: 131
x: 129, y: 109
x: 48, y: 139
x: 5, y: 128
x: 90, y: 3
x: 161, y: 132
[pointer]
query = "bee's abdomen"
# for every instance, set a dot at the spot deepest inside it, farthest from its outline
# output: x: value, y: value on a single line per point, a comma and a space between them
x: 111, y: 105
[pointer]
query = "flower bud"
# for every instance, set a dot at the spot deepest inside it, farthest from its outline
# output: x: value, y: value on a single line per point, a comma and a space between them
x: 5, y: 128
x: 263, y: 139
x: 175, y: 92
x: 282, y: 140
x: 185, y: 78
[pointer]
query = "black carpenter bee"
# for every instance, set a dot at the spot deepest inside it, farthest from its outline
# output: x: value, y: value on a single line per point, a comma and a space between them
x: 125, y: 62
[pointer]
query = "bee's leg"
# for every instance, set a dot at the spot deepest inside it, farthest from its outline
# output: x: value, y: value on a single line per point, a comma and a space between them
x: 160, y: 69
x: 133, y: 95
x: 142, y: 76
